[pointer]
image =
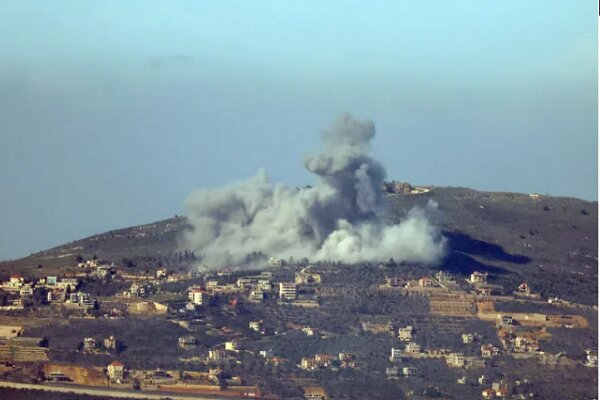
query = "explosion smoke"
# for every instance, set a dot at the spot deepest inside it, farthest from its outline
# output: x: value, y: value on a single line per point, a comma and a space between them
x: 341, y: 218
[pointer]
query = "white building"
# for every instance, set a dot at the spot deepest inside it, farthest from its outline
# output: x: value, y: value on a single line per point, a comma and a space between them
x: 287, y: 291
x: 396, y: 355
x: 405, y: 334
x: 198, y: 296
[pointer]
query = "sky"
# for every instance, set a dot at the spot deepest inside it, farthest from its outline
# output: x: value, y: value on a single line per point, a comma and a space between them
x: 112, y: 112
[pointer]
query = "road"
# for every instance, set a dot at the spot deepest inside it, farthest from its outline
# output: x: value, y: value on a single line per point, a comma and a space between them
x: 96, y: 391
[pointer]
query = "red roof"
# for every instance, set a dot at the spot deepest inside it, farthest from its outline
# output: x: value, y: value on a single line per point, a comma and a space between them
x: 117, y: 364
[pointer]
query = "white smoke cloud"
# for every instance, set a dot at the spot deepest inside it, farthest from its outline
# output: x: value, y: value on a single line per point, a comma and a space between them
x: 340, y: 218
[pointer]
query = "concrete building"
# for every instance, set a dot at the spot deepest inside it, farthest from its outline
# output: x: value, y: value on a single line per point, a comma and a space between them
x: 412, y: 347
x: 116, y: 371
x: 198, y: 296
x: 478, y: 278
x: 287, y: 291
x: 456, y: 360
x: 405, y: 334
x: 396, y: 355
x: 468, y: 338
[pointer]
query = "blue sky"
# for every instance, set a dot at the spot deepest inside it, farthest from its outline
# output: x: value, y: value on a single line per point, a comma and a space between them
x: 111, y: 112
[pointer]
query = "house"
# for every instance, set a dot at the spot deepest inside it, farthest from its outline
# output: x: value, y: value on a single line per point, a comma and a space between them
x: 56, y: 296
x: 16, y: 281
x: 456, y: 360
x: 462, y: 380
x: 186, y: 342
x: 412, y: 347
x: 409, y: 371
x: 255, y: 325
x: 591, y: 358
x: 324, y: 360
x: 110, y: 343
x: 391, y: 373
x: 287, y: 291
x: 116, y: 371
x: 161, y: 273
x: 26, y: 290
x: 506, y: 321
x: 308, y: 364
x: 467, y: 338
x: 405, y: 334
x: 315, y: 393
x: 198, y: 296
x: 484, y: 290
x: 217, y: 355
x: 488, y: 393
x: 396, y: 355
x: 231, y: 346
x: 426, y: 282
x: 347, y: 360
x: 309, y: 331
x: 489, y: 350
x: 482, y: 380
x: 307, y: 277
x: 275, y: 262
x: 89, y: 344
x: 256, y: 295
x: 478, y: 278
x: 523, y: 289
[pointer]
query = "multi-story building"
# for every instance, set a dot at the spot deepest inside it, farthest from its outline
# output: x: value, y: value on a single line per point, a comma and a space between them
x: 116, y: 371
x: 287, y: 291
x: 198, y: 296
x: 456, y: 359
x: 412, y: 347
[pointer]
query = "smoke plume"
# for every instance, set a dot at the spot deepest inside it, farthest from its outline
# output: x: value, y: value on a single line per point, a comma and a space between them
x: 340, y: 218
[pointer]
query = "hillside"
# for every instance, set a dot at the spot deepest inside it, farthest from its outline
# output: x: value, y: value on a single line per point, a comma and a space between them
x: 549, y: 242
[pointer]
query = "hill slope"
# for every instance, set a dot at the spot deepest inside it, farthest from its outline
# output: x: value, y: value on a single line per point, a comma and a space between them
x: 549, y: 242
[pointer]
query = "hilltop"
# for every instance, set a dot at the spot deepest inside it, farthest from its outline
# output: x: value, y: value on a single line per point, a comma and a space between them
x: 549, y: 242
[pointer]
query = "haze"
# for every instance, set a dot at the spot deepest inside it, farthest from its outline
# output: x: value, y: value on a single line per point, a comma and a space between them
x: 111, y: 112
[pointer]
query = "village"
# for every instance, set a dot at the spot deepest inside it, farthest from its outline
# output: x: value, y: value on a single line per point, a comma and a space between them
x: 227, y: 320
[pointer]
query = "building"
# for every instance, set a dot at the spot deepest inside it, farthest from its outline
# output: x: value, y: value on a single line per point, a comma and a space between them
x: 426, y: 282
x: 315, y: 393
x: 255, y: 325
x: 391, y: 373
x: 275, y: 262
x: 161, y: 273
x: 110, y: 343
x: 409, y: 371
x: 478, y: 278
x: 256, y: 295
x: 287, y: 291
x: 489, y: 350
x: 89, y: 344
x: 406, y: 333
x: 523, y: 289
x: 309, y: 331
x: 456, y: 360
x: 482, y: 380
x: 467, y: 338
x: 186, y: 342
x: 231, y: 346
x: 412, y: 347
x: 307, y: 277
x: 506, y: 321
x: 591, y: 358
x: 396, y: 355
x: 308, y: 364
x: 116, y: 371
x: 217, y: 355
x: 198, y: 296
